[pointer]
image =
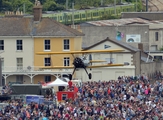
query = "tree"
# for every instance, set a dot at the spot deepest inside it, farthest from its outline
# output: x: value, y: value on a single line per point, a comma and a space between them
x: 49, y: 5
x: 18, y: 5
x: 6, y: 5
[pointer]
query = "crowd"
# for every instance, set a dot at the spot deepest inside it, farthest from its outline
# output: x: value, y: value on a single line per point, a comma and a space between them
x: 5, y: 90
x: 124, y: 99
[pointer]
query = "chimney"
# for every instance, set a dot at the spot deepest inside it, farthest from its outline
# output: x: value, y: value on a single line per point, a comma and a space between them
x: 140, y: 46
x: 13, y: 14
x: 37, y: 11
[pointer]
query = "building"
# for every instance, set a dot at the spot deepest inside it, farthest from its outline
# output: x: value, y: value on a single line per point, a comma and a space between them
x: 133, y: 31
x: 21, y: 38
x: 130, y: 55
x: 145, y: 15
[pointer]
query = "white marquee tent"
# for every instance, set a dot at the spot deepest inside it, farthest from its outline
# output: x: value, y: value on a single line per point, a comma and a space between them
x: 57, y: 82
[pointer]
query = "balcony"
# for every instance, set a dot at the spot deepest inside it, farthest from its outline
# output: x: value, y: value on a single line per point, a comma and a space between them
x: 32, y: 69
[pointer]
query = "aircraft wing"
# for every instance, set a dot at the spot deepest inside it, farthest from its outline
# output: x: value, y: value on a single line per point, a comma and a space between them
x: 80, y: 52
x: 107, y: 65
x: 57, y: 67
x: 71, y: 67
x: 96, y: 61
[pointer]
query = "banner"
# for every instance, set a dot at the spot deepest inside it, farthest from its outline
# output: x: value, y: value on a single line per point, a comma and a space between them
x: 133, y: 38
x: 36, y: 99
x: 119, y: 35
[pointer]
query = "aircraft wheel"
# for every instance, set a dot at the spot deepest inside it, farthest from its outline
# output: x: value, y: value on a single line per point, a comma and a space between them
x: 70, y: 76
x: 90, y: 76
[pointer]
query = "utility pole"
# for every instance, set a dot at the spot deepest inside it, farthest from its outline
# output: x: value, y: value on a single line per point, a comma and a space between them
x: 136, y: 5
x: 66, y: 4
x: 146, y: 5
x: 24, y: 8
x: 102, y: 2
x: 73, y: 15
x: 115, y: 7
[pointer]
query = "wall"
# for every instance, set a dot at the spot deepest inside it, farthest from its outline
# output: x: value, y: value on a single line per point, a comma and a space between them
x: 146, y: 15
x: 151, y: 68
x: 56, y: 46
x: 94, y: 34
x: 10, y: 53
x: 137, y: 62
x: 153, y: 29
x: 106, y: 74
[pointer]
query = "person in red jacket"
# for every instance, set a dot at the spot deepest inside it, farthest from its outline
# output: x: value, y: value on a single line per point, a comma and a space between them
x: 109, y: 91
x: 70, y: 83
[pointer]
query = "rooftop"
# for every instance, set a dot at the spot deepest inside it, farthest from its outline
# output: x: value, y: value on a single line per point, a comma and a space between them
x: 20, y: 26
x: 124, y: 21
x: 120, y: 43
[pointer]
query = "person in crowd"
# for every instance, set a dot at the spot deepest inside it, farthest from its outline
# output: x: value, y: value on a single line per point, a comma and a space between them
x: 127, y: 98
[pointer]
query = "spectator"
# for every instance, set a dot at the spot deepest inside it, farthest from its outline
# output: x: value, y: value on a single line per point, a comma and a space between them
x: 123, y: 99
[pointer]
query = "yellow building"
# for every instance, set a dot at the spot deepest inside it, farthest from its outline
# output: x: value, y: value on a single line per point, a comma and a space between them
x: 52, y: 36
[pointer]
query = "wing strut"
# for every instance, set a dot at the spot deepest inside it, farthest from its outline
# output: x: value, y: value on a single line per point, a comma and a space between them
x: 70, y: 75
x: 89, y: 74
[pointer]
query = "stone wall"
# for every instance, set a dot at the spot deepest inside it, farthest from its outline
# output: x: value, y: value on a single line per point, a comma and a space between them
x: 151, y: 68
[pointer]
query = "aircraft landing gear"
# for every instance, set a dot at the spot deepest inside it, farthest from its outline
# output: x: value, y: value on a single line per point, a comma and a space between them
x: 90, y: 76
x: 70, y: 76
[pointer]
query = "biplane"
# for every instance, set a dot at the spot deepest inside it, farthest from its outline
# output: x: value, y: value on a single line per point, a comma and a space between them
x: 82, y: 61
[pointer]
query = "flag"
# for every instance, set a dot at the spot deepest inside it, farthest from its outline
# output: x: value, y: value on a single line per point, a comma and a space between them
x: 106, y: 46
x: 119, y: 35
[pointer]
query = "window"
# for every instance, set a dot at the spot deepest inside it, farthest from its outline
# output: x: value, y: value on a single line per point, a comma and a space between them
x: 47, y: 62
x: 19, y: 78
x: 153, y: 48
x: 1, y: 44
x: 156, y: 36
x: 66, y: 44
x: 19, y: 44
x: 64, y: 96
x: 47, y: 44
x: 66, y: 61
x: 47, y: 79
x: 158, y: 57
x: 19, y: 63
x: 2, y: 63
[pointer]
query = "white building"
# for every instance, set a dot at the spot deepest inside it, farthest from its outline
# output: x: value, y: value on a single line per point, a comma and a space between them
x: 17, y: 51
x: 130, y: 55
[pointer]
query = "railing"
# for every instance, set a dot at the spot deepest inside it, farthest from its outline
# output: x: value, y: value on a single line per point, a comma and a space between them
x: 32, y: 69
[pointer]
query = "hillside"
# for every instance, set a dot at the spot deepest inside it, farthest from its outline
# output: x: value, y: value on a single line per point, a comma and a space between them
x: 54, y: 5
